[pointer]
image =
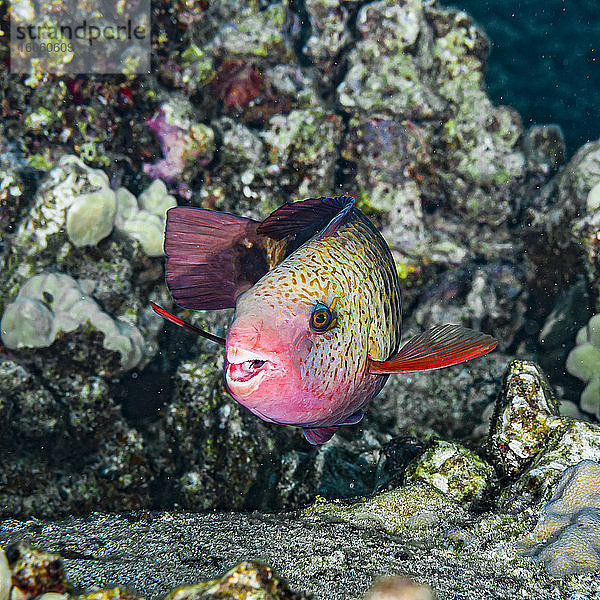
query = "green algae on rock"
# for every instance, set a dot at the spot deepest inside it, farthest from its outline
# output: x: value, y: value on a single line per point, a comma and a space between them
x: 526, y: 419
x: 106, y: 594
x: 256, y: 35
x: 398, y: 85
x: 249, y: 580
x: 418, y: 510
x: 576, y: 441
x: 452, y: 469
x: 303, y: 147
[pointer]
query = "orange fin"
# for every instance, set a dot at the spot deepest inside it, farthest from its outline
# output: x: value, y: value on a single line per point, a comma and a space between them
x: 440, y: 346
x: 165, y: 314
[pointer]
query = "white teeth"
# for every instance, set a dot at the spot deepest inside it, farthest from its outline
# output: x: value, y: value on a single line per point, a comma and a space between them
x: 241, y: 355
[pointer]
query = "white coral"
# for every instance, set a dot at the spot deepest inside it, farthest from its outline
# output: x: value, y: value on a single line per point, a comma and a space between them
x: 52, y: 302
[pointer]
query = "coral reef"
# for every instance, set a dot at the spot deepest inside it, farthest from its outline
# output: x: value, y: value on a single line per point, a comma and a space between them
x: 567, y: 536
x: 90, y: 218
x: 584, y: 363
x: 187, y: 145
x: 144, y: 219
x: 53, y: 303
x: 249, y: 105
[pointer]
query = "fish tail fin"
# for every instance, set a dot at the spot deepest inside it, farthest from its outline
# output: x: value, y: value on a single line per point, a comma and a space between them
x: 212, y: 257
x: 173, y: 319
x: 318, y: 435
x: 438, y: 347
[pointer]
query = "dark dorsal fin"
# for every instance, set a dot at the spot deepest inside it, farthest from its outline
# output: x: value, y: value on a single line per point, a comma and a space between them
x: 212, y: 257
x: 312, y: 214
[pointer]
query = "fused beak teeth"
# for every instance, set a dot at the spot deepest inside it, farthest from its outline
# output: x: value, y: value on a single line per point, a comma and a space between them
x: 237, y: 356
x: 252, y: 365
x: 247, y: 368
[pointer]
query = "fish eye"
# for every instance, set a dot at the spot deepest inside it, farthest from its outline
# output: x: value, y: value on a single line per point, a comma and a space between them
x: 321, y: 318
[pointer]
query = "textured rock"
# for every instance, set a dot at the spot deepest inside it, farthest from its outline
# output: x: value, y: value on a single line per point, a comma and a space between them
x: 217, y: 445
x: 448, y: 403
x: 568, y: 196
x: 526, y: 418
x: 330, y: 36
x: 75, y: 452
x: 35, y: 572
x: 544, y: 147
x: 416, y: 510
x: 454, y: 470
x: 248, y: 580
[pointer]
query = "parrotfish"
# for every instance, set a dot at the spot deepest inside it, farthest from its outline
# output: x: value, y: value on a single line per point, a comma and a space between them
x: 317, y: 322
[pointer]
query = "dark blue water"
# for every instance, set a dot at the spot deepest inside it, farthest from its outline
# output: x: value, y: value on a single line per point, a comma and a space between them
x: 544, y: 60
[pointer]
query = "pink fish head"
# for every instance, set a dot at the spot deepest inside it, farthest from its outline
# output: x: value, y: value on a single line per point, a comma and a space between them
x: 269, y: 351
x: 283, y: 360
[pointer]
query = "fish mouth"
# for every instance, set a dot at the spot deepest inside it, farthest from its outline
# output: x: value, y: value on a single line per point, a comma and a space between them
x: 245, y: 369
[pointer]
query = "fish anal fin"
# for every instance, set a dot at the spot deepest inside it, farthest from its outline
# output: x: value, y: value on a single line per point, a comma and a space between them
x: 318, y: 435
x: 440, y: 346
x: 353, y: 419
x: 313, y: 214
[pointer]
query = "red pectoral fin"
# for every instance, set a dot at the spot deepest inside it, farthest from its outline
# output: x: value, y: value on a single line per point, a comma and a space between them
x: 438, y: 347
